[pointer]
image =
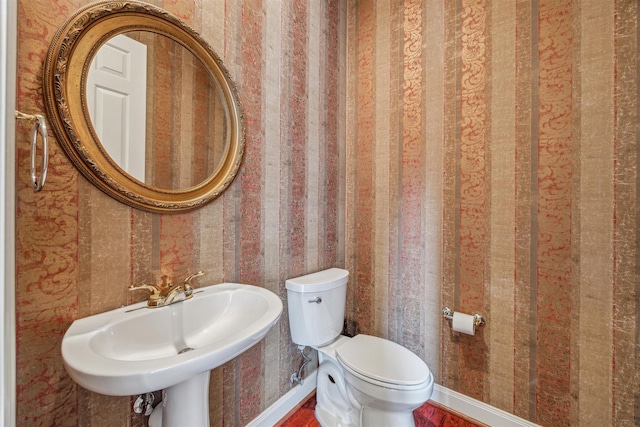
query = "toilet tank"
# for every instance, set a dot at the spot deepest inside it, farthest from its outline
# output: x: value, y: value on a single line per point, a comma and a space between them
x: 316, y: 304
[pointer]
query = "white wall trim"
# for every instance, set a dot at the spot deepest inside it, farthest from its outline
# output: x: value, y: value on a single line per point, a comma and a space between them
x: 453, y: 400
x: 8, y: 51
x: 286, y: 403
x: 476, y: 409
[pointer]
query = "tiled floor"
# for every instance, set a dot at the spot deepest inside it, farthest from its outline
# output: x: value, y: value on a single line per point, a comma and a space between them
x: 428, y: 415
x: 303, y: 417
x: 431, y: 414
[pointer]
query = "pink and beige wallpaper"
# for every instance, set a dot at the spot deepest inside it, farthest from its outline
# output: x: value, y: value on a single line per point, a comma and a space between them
x: 476, y: 154
x: 492, y: 166
x: 79, y: 250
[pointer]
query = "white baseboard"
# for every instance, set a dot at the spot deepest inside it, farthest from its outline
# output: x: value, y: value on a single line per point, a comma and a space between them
x: 286, y: 403
x: 476, y: 409
x: 453, y: 400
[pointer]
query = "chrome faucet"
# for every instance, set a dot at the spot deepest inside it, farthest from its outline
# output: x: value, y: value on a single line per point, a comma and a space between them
x: 168, y: 293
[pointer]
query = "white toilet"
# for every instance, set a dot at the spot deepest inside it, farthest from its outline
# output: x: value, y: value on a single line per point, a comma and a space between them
x: 362, y: 381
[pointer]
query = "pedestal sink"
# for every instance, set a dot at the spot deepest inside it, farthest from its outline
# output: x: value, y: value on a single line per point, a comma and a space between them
x: 134, y: 349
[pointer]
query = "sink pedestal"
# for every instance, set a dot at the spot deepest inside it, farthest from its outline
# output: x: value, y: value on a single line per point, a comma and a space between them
x: 184, y: 404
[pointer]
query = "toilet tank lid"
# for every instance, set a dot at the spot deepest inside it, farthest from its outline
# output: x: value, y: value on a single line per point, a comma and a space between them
x: 319, y: 281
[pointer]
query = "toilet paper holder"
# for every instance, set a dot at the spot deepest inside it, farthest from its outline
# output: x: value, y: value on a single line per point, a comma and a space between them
x: 478, y: 320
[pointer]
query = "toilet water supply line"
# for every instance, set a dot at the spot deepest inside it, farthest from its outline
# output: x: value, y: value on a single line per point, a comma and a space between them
x: 296, y: 377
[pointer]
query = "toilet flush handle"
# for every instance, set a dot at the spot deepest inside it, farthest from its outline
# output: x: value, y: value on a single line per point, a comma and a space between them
x: 317, y: 300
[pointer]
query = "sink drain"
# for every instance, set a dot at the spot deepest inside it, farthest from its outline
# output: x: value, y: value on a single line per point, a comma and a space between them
x: 184, y: 350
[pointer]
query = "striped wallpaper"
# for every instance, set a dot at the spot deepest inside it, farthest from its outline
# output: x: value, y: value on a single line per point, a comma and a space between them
x: 79, y: 250
x: 492, y: 158
x: 476, y: 154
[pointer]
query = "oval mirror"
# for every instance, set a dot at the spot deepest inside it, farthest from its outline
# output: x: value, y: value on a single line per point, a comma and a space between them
x: 143, y: 106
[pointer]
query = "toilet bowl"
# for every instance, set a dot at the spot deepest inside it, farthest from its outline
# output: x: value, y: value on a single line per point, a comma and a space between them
x: 364, y: 380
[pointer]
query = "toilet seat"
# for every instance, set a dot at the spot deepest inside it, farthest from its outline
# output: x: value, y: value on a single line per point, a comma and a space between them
x: 382, y: 362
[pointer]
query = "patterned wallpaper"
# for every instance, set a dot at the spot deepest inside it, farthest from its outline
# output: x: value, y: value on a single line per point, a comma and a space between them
x: 78, y: 250
x: 478, y: 154
x: 492, y: 158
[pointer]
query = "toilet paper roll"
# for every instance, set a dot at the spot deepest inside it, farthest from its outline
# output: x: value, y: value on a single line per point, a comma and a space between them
x: 463, y: 323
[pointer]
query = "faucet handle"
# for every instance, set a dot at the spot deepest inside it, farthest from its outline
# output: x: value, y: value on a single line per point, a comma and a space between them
x: 189, y: 278
x: 186, y: 283
x: 154, y: 290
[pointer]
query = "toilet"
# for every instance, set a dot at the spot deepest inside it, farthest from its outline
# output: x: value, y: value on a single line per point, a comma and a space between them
x: 362, y: 381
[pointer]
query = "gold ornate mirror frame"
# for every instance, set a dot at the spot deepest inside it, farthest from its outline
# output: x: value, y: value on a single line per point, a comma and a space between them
x: 65, y: 75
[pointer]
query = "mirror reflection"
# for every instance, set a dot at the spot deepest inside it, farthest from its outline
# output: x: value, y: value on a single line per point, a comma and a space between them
x: 156, y: 110
x: 189, y: 144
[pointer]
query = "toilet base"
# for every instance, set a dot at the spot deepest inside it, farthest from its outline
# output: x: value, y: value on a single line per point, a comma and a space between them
x: 326, y: 419
x: 370, y: 418
x: 376, y: 418
x: 333, y: 406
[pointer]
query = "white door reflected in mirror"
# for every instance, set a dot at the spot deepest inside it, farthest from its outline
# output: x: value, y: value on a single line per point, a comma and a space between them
x: 116, y: 98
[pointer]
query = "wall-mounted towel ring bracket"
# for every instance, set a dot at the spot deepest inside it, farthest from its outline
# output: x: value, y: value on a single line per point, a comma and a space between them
x: 39, y: 127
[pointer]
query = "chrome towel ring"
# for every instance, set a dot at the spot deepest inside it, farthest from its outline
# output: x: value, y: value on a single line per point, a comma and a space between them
x: 39, y: 127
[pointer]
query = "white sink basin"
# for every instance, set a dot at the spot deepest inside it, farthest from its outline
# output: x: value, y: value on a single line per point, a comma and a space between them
x: 135, y: 349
